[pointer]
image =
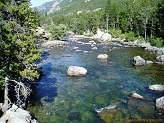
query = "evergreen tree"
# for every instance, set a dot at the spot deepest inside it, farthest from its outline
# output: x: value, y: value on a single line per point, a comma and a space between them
x: 18, y: 51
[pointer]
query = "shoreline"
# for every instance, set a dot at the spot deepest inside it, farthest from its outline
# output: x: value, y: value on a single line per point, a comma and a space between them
x: 159, y: 52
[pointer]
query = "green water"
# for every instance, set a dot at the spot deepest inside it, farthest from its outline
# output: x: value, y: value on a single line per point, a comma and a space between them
x: 59, y: 98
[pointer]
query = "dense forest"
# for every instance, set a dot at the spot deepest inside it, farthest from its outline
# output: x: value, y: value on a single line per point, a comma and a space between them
x: 131, y: 19
x: 18, y: 51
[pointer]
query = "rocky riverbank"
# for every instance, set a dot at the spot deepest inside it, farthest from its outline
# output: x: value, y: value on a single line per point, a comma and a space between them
x: 17, y: 115
x: 159, y: 52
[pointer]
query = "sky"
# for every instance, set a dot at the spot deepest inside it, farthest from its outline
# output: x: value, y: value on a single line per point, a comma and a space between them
x: 38, y: 2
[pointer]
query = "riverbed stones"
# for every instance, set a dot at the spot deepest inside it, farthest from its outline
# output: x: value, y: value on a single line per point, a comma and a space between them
x: 102, y: 56
x: 142, y: 105
x: 54, y: 43
x: 157, y: 87
x: 138, y: 61
x: 160, y: 104
x: 76, y: 71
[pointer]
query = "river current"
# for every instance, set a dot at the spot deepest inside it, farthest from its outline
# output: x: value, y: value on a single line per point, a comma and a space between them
x: 59, y: 98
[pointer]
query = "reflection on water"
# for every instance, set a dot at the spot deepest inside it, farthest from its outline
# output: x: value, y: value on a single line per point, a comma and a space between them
x: 65, y: 99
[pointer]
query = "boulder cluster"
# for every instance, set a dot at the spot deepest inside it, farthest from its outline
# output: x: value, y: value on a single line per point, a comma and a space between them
x: 17, y: 115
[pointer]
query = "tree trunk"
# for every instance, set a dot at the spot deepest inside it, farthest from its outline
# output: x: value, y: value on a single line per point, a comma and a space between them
x: 107, y: 19
x: 145, y: 27
x: 6, y: 91
x: 6, y: 99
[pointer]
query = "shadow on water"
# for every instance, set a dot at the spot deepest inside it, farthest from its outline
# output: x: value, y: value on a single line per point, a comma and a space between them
x: 45, y: 88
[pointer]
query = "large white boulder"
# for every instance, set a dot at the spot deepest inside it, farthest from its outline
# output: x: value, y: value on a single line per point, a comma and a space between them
x: 138, y: 61
x: 156, y: 87
x: 99, y: 33
x: 160, y: 104
x: 76, y: 71
x: 106, y: 37
x: 17, y: 115
x: 102, y: 56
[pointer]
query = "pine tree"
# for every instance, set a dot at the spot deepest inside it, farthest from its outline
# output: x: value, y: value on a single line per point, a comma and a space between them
x: 18, y: 51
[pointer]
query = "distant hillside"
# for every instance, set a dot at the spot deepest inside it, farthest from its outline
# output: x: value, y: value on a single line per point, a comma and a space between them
x: 46, y: 7
x: 70, y: 6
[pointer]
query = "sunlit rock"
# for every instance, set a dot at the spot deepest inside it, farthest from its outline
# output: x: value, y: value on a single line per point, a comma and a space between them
x: 76, y: 71
x: 160, y: 51
x: 102, y: 56
x: 106, y: 37
x: 137, y: 96
x: 94, y: 48
x: 160, y: 104
x: 149, y: 62
x: 17, y: 115
x: 156, y: 87
x: 160, y: 58
x: 42, y: 33
x: 75, y: 48
x: 138, y: 61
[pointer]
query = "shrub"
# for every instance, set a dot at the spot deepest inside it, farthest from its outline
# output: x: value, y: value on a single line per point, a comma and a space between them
x: 159, y: 42
x: 115, y: 32
x: 130, y: 36
x: 58, y: 32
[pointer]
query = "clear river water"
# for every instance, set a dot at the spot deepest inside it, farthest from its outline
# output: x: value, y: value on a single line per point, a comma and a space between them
x: 59, y: 98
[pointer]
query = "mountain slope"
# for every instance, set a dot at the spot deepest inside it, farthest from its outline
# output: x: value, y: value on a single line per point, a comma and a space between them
x: 46, y: 7
x: 71, y: 6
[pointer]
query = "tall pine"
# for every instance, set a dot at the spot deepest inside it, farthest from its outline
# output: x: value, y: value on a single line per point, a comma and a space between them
x: 17, y: 49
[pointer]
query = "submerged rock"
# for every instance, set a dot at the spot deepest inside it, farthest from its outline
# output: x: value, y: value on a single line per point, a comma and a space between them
x: 138, y: 61
x: 156, y: 87
x: 74, y: 116
x: 108, y: 114
x: 160, y: 104
x: 102, y: 56
x: 144, y: 106
x: 76, y: 71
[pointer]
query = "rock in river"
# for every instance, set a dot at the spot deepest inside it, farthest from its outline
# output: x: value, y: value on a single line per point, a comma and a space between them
x: 76, y: 71
x: 160, y: 58
x: 160, y: 104
x: 102, y: 56
x: 138, y: 61
x: 137, y: 96
x: 156, y: 87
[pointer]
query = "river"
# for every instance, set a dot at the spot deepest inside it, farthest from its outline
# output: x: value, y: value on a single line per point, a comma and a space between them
x: 59, y: 98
